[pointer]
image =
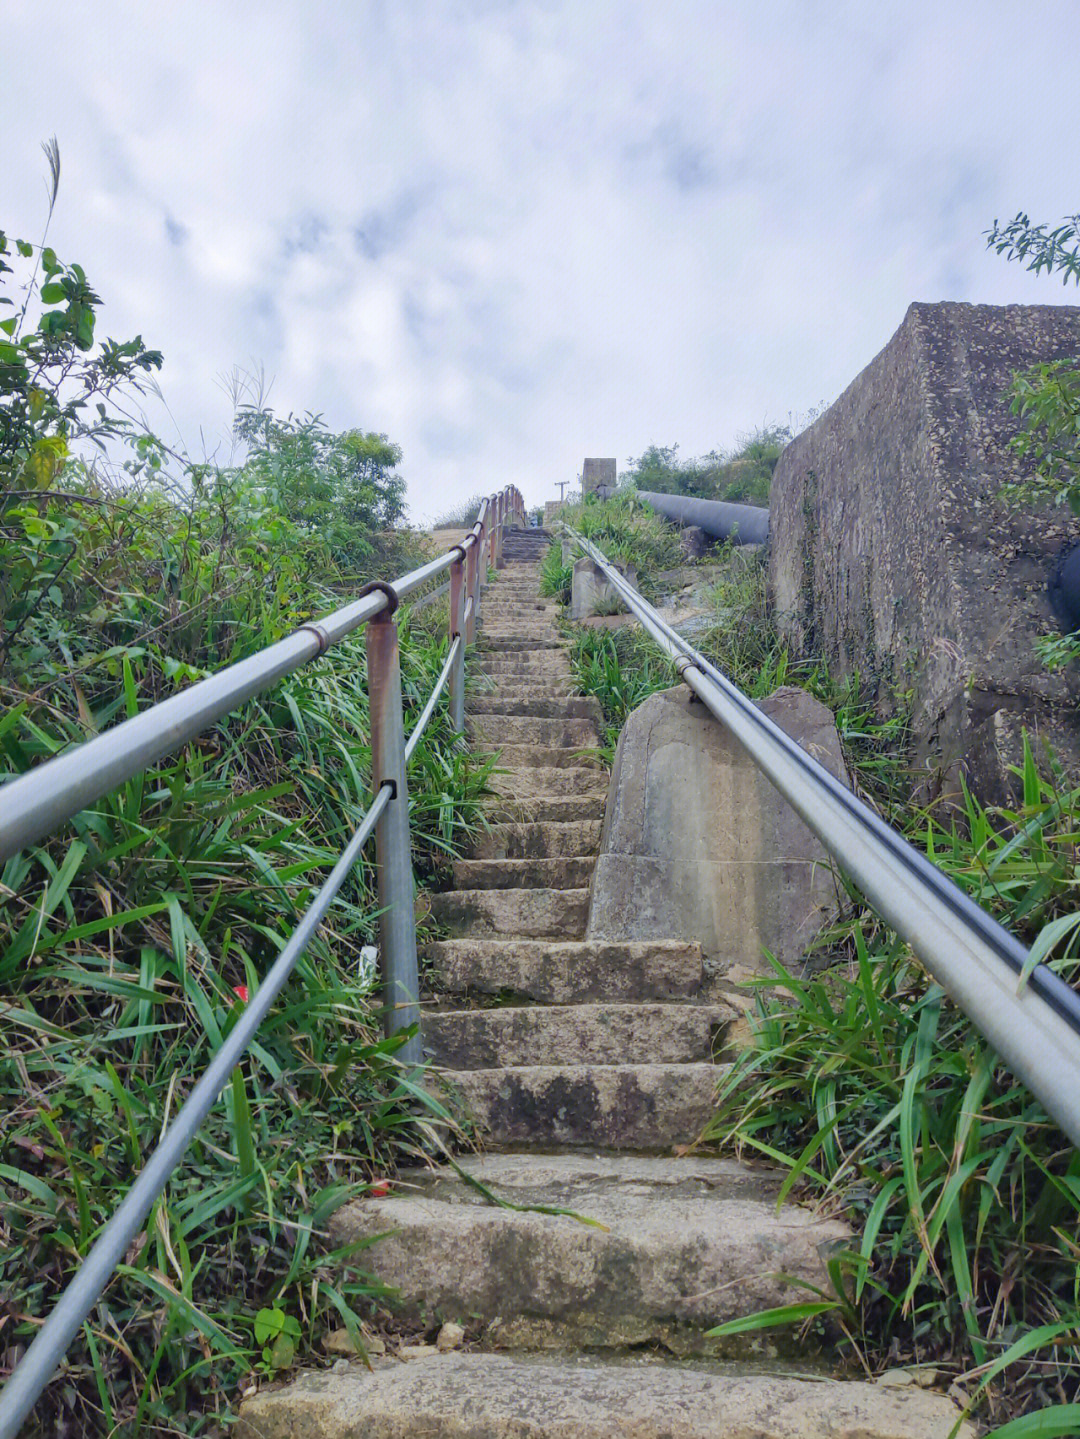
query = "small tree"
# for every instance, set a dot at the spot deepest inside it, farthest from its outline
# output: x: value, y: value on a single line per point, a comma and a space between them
x: 342, y: 486
x: 1047, y: 396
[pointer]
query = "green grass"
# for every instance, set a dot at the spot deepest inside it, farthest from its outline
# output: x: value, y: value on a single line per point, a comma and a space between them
x: 123, y: 941
x: 878, y: 1096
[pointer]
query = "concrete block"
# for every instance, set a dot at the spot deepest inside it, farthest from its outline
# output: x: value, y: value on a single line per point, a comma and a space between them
x: 893, y: 554
x: 591, y: 591
x: 697, y: 844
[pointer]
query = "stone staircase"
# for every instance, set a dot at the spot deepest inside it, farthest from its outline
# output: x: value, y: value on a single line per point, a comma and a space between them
x: 585, y: 1293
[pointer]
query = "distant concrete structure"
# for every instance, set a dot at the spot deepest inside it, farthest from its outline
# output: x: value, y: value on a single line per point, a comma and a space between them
x: 598, y: 475
x: 893, y: 555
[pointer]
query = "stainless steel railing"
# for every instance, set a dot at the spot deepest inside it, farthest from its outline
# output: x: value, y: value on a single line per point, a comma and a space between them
x: 33, y: 805
x: 1028, y: 1013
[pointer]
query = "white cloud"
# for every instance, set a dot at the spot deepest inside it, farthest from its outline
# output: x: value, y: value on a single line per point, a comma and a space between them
x: 513, y: 234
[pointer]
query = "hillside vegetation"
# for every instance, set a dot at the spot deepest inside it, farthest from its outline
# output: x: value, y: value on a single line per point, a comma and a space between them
x: 130, y: 940
x: 742, y: 474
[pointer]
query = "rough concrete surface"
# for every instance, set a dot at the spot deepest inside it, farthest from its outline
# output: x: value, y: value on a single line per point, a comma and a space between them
x: 577, y: 1034
x: 617, y: 1106
x: 528, y: 913
x: 481, y: 1396
x: 566, y: 873
x: 893, y: 554
x: 539, y: 841
x: 697, y: 843
x: 568, y: 972
x: 685, y: 1249
x: 591, y: 590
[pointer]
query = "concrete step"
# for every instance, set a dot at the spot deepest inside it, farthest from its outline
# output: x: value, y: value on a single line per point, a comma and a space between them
x: 524, y: 662
x: 540, y: 808
x: 606, y: 1106
x: 525, y: 605
x: 685, y: 1244
x: 513, y: 913
x: 531, y: 729
x: 495, y: 1396
x: 524, y: 785
x: 578, y: 1033
x: 569, y: 972
x: 539, y: 841
x: 517, y: 644
x: 538, y: 756
x: 515, y: 688
x: 559, y: 873
x: 571, y: 707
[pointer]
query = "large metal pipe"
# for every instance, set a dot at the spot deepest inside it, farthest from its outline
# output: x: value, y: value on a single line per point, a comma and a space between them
x: 724, y: 520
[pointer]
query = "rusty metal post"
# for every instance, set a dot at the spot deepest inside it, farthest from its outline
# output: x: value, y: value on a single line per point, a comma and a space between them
x: 497, y: 537
x: 481, y: 567
x: 457, y: 627
x: 393, y: 846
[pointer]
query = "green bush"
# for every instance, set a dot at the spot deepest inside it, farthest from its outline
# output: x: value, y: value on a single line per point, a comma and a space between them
x: 742, y: 475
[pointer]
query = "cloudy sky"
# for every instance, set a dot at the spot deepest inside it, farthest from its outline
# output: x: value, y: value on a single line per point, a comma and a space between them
x: 512, y: 233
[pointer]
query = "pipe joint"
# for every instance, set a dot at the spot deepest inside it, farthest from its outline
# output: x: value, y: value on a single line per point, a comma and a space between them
x: 320, y: 634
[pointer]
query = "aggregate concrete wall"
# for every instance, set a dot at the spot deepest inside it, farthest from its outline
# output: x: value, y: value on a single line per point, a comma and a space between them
x: 697, y: 845
x: 893, y: 555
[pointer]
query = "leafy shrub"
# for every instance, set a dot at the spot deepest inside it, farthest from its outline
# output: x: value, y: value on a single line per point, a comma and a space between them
x: 555, y: 577
x: 742, y: 475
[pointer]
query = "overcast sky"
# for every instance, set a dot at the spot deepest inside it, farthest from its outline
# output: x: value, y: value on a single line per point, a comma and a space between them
x: 512, y: 233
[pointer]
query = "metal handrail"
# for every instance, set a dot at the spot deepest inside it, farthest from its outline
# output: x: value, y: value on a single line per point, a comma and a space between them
x: 59, y: 788
x: 1032, y: 1023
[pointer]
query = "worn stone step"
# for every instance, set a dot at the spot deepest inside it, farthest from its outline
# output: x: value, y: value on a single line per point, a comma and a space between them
x: 521, y: 688
x: 526, y: 606
x: 540, y: 808
x: 675, y: 1246
x: 515, y: 636
x: 490, y: 644
x: 578, y: 1033
x: 517, y: 913
x: 524, y: 662
x: 497, y: 1396
x: 539, y: 756
x: 606, y: 1106
x: 523, y: 785
x: 539, y: 841
x: 557, y: 873
x: 567, y: 972
x: 531, y: 729
x: 570, y: 707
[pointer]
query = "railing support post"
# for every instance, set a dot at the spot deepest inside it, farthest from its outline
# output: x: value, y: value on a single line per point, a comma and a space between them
x: 393, y: 847
x: 457, y: 629
x: 481, y: 570
x: 471, y: 563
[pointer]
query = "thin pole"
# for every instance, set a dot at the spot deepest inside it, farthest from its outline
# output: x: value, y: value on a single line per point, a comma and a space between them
x: 393, y: 850
x: 457, y: 629
x: 472, y: 562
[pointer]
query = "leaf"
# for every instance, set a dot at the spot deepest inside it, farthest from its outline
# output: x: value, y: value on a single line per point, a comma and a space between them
x: 772, y: 1318
x: 53, y: 294
x: 1062, y: 1421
